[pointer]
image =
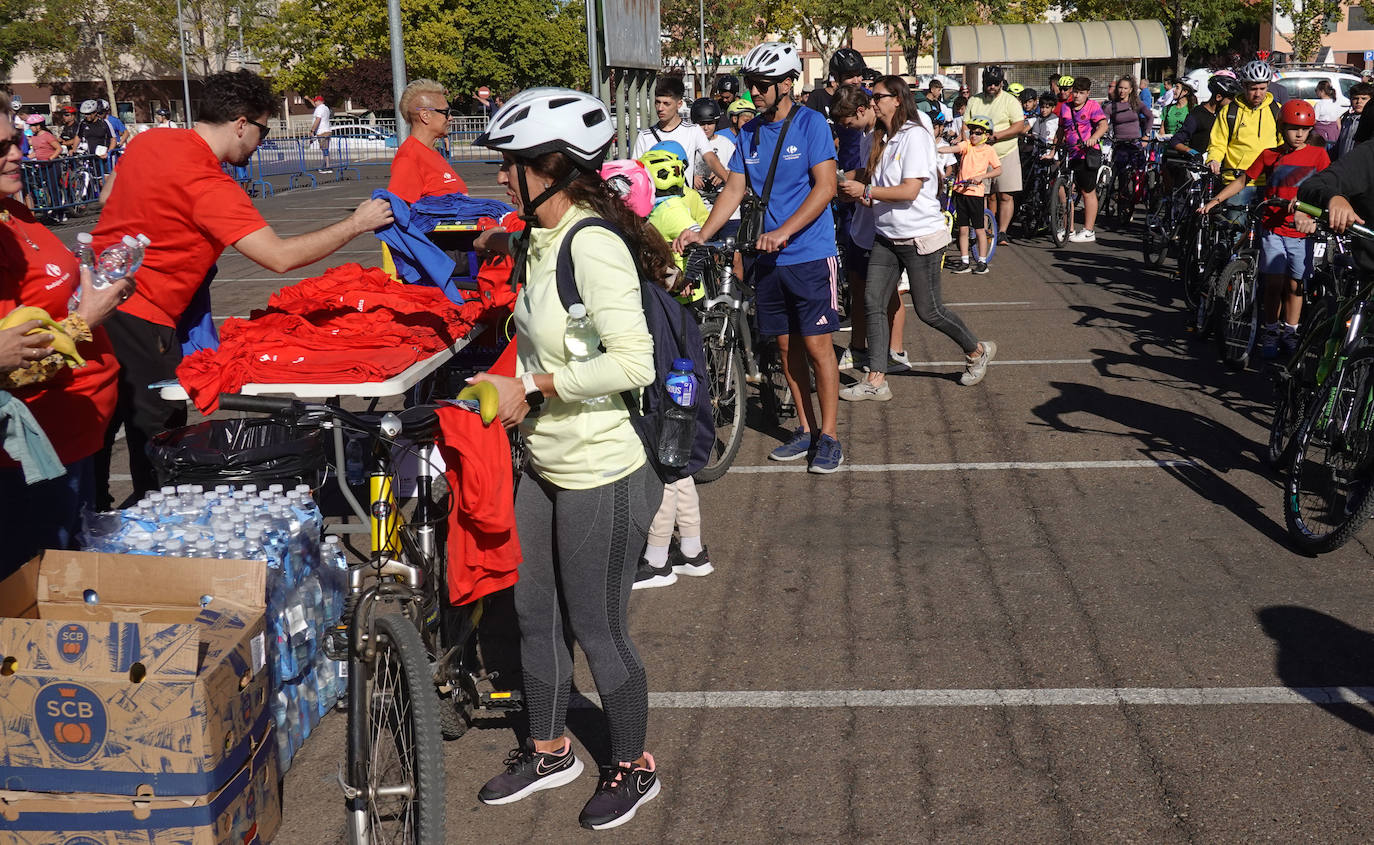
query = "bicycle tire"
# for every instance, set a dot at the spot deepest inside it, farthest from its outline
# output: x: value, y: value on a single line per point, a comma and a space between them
x: 1192, y: 262
x: 725, y: 387
x: 1339, y: 420
x: 774, y: 395
x: 1106, y: 192
x: 1293, y: 392
x: 1154, y: 247
x: 1237, y: 287
x: 399, y: 720
x: 1060, y: 211
x: 989, y: 226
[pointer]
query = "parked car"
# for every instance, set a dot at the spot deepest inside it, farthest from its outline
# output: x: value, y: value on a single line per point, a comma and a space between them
x: 361, y: 137
x: 1301, y: 81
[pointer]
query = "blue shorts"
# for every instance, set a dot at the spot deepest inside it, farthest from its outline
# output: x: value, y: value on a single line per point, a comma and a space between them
x: 800, y: 299
x: 1281, y: 256
x: 729, y: 230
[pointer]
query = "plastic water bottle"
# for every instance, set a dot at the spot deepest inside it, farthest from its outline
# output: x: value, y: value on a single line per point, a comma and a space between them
x: 680, y: 418
x: 583, y: 344
x: 85, y: 256
x: 115, y: 263
x: 138, y: 246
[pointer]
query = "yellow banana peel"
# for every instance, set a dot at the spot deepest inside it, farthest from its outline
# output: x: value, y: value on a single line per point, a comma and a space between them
x: 488, y: 399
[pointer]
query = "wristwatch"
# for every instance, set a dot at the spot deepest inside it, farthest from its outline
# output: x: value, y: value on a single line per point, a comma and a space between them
x: 534, y: 397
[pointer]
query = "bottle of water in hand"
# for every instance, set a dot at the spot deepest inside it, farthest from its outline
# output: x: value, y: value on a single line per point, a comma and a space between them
x: 85, y: 256
x: 583, y: 344
x: 680, y: 419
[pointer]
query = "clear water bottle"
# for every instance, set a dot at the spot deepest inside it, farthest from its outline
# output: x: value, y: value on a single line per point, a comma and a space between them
x: 680, y: 418
x: 138, y: 247
x: 114, y: 265
x: 583, y: 344
x: 85, y: 256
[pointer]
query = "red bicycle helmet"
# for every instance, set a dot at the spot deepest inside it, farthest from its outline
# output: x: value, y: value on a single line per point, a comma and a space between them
x: 1298, y: 113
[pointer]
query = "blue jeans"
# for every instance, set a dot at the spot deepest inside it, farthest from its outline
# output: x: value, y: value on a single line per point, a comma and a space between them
x: 46, y: 515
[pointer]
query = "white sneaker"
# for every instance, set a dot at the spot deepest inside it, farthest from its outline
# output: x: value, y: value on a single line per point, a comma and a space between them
x: 847, y: 359
x: 859, y: 391
x: 897, y: 361
x: 1083, y: 236
x: 976, y: 368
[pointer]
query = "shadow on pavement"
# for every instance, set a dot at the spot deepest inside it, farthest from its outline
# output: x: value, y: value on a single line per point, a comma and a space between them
x: 1315, y: 652
x: 1174, y: 434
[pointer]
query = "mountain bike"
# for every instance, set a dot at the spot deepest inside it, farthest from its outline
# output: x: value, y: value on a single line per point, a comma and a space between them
x: 1237, y: 291
x: 1331, y: 297
x: 405, y: 648
x: 1203, y: 256
x: 736, y: 354
x: 1168, y: 214
x: 1327, y: 497
x: 1033, y: 211
x: 1064, y: 195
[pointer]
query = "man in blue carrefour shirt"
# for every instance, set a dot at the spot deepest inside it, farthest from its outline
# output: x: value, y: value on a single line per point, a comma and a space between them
x: 795, y: 273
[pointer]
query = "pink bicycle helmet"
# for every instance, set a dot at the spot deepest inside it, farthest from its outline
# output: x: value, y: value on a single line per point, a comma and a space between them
x: 629, y: 179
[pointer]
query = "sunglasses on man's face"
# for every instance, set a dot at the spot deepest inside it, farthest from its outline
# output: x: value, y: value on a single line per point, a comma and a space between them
x: 446, y: 112
x: 759, y: 83
x: 262, y: 127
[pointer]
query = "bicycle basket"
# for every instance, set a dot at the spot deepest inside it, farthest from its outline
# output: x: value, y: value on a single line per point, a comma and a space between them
x: 238, y: 450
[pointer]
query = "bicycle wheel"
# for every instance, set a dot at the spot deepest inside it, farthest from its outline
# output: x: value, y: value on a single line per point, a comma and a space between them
x: 1192, y: 263
x: 774, y: 395
x: 1327, y: 498
x: 395, y: 727
x: 1236, y: 289
x: 1295, y: 382
x: 1060, y: 211
x: 725, y: 386
x: 1106, y: 192
x: 989, y: 226
x: 1155, y: 245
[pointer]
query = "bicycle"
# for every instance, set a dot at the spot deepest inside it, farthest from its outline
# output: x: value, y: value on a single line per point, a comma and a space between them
x: 1205, y: 253
x: 1033, y: 212
x: 1166, y: 219
x: 1332, y: 297
x: 405, y: 648
x: 1238, y: 288
x: 735, y: 354
x: 1064, y: 195
x: 989, y: 224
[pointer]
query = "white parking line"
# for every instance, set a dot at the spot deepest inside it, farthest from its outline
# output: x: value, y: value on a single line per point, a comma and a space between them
x: 1099, y: 697
x: 975, y: 466
x: 972, y: 304
x: 1014, y: 361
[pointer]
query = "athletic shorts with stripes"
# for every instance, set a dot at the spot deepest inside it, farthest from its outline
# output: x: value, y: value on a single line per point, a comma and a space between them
x: 799, y: 299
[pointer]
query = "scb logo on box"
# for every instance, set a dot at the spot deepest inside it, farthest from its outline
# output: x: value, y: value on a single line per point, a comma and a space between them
x: 71, y: 720
x: 71, y: 642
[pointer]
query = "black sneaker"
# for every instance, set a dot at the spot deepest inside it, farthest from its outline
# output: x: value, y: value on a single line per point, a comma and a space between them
x: 528, y: 771
x: 648, y: 576
x: 619, y: 794
x: 981, y: 268
x: 693, y: 566
x: 963, y: 267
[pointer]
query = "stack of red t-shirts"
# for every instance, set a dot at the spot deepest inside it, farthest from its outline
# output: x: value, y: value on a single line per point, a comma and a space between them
x: 349, y: 325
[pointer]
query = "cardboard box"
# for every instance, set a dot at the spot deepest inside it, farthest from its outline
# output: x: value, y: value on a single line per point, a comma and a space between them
x: 146, y: 692
x: 246, y: 811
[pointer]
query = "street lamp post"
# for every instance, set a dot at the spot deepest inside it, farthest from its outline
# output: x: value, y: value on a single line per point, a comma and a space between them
x: 398, y: 66
x: 185, y: 80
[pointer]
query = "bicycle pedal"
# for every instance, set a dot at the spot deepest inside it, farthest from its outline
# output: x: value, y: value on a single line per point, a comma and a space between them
x: 511, y: 700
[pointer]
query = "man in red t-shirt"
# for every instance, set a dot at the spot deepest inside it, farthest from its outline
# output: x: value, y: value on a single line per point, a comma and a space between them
x: 419, y: 170
x: 1285, y: 252
x: 171, y: 187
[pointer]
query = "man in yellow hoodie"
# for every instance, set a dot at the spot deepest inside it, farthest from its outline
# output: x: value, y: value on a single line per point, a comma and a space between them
x: 1246, y: 127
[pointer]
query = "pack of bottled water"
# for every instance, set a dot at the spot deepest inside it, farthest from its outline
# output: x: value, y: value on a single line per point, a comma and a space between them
x: 307, y: 579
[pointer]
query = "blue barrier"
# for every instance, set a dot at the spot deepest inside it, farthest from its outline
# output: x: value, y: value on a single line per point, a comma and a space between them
x: 67, y: 183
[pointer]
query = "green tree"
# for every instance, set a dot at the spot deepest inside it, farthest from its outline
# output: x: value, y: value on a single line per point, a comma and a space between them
x: 1194, y: 26
x: 729, y: 30
x: 1310, y: 18
x: 827, y: 25
x: 914, y: 24
x: 86, y: 40
x: 214, y: 32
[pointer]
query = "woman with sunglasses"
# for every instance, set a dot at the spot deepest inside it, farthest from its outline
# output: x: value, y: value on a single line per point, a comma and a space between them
x: 909, y: 234
x: 72, y: 406
x: 419, y: 170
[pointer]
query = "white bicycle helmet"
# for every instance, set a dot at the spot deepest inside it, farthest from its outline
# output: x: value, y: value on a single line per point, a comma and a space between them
x: 772, y: 59
x: 544, y: 120
x: 88, y: 106
x: 1256, y: 71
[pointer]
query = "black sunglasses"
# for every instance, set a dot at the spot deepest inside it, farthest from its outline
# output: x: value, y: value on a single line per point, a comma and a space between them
x: 759, y: 83
x: 446, y: 112
x: 877, y: 97
x: 262, y: 127
x: 977, y: 131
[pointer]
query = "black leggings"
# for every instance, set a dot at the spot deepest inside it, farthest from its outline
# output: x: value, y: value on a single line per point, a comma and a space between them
x: 581, y: 549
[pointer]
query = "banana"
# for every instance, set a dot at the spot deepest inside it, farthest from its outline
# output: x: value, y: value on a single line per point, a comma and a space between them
x: 487, y: 398
x: 63, y: 345
x: 23, y: 314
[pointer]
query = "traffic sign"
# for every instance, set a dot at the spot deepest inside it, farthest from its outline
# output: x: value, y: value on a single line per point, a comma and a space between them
x: 1369, y: 55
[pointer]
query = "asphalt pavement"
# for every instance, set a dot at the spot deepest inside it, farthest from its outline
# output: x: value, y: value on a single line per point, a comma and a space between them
x: 1054, y: 607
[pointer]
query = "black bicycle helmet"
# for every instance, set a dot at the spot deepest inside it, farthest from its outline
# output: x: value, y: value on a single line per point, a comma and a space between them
x: 725, y: 84
x: 1225, y: 86
x: 994, y: 75
x: 846, y: 62
x: 1028, y: 94
x: 705, y: 110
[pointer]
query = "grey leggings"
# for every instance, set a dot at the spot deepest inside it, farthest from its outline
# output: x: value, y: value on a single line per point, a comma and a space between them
x: 581, y: 548
x: 885, y: 266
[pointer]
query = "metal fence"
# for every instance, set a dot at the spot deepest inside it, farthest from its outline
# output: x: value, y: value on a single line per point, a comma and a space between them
x: 66, y: 185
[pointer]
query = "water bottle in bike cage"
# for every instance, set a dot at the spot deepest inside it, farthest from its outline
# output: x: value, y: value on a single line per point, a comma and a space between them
x: 679, y: 417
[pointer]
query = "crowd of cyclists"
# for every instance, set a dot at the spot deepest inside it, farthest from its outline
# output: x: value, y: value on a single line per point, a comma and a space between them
x: 871, y: 189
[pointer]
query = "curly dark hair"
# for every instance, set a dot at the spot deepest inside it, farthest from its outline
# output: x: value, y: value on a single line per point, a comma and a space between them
x: 231, y: 95
x: 590, y: 191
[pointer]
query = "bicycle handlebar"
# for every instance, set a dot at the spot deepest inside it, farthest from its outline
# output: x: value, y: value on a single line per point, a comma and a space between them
x: 1354, y: 229
x: 257, y: 404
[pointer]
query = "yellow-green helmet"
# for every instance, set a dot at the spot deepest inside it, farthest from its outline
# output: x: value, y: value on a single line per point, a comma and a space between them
x: 980, y: 122
x: 1065, y: 81
x: 1016, y: 88
x: 740, y: 106
x: 665, y: 169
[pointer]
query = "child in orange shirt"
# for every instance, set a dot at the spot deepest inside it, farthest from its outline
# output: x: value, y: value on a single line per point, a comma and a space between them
x: 979, y: 163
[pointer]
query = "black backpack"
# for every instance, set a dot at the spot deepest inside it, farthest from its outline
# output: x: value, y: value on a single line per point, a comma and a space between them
x: 676, y: 335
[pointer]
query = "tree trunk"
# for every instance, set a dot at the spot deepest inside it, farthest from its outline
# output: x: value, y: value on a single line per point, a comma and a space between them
x: 106, y: 74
